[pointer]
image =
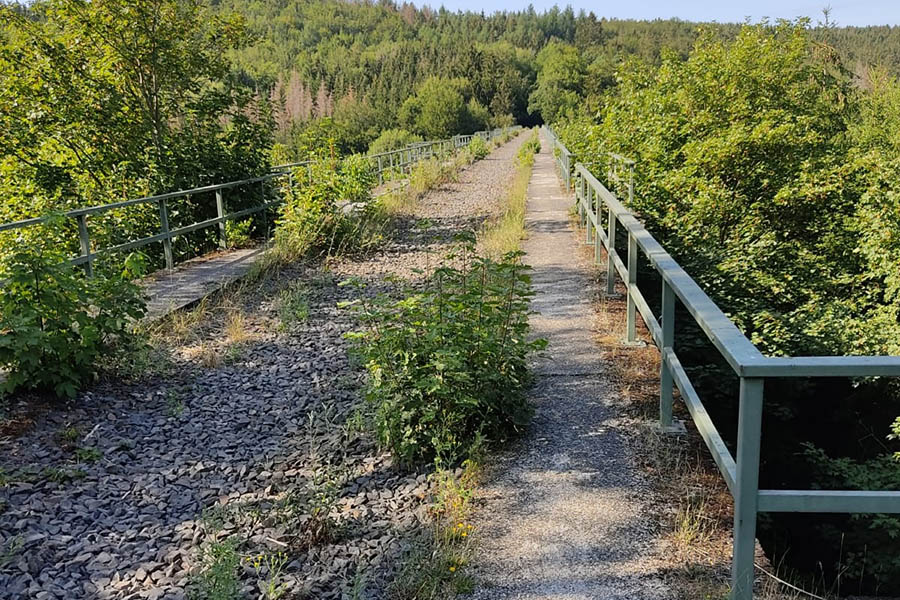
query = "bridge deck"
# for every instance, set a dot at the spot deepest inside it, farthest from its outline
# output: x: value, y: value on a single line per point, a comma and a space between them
x: 192, y: 280
x: 566, y: 514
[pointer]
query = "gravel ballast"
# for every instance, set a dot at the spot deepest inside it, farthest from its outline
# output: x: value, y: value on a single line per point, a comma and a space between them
x: 204, y: 453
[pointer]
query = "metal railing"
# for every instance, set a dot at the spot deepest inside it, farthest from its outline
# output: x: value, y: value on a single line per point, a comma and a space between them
x: 601, y: 213
x: 383, y: 163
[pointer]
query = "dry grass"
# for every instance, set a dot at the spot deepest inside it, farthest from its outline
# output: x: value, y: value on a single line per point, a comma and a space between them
x: 505, y: 233
x: 236, y: 328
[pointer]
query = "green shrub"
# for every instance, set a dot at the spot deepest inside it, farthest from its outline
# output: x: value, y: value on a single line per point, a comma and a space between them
x: 869, y: 540
x: 478, y: 148
x: 447, y: 362
x: 313, y: 215
x: 238, y: 233
x: 427, y: 174
x: 357, y: 179
x: 527, y: 150
x: 393, y: 139
x: 218, y: 579
x: 55, y: 323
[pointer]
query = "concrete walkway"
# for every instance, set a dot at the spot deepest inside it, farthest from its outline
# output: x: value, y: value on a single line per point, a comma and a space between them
x: 193, y: 280
x: 564, y: 514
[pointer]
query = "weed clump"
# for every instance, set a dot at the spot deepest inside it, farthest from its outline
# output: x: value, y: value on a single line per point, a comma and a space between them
x: 447, y: 361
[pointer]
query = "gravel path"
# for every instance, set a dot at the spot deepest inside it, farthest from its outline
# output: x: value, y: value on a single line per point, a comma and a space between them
x: 563, y: 515
x: 117, y: 496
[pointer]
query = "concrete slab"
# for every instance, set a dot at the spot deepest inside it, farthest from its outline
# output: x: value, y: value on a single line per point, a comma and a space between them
x: 191, y: 281
x: 565, y: 513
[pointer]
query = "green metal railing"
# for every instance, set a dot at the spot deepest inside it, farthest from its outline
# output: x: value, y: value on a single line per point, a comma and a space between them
x: 601, y: 213
x: 386, y: 162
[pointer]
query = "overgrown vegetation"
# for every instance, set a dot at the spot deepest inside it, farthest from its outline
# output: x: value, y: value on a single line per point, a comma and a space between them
x: 478, y: 148
x: 110, y: 100
x: 318, y: 210
x: 504, y: 235
x: 447, y: 362
x: 435, y: 567
x: 54, y: 321
x: 765, y: 168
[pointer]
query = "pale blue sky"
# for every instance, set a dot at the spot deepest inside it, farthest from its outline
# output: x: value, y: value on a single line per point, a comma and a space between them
x: 845, y: 12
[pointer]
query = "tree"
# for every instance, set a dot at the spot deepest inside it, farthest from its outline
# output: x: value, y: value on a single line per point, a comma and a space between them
x: 439, y: 109
x: 560, y: 82
x: 108, y: 99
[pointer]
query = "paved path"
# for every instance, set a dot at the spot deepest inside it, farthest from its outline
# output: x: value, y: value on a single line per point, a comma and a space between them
x: 564, y: 517
x: 193, y: 280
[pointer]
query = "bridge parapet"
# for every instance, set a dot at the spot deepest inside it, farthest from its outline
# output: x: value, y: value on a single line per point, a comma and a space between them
x: 601, y: 213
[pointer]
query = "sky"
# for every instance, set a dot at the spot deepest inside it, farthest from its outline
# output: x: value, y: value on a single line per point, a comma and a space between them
x: 844, y: 12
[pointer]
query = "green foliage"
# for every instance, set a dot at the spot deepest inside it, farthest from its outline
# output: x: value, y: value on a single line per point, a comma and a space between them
x: 108, y: 100
x: 238, y: 233
x: 870, y: 538
x: 771, y: 178
x: 560, y: 82
x: 526, y: 152
x: 447, y: 362
x: 358, y: 178
x: 478, y: 148
x: 56, y: 323
x: 218, y: 579
x: 439, y: 109
x: 393, y: 139
x: 313, y: 216
x: 293, y: 305
x: 87, y: 455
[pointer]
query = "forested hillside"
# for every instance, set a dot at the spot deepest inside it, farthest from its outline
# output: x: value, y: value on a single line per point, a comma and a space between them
x: 145, y: 103
x: 358, y: 62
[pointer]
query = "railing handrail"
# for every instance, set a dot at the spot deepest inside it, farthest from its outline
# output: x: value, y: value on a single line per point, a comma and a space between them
x: 741, y: 474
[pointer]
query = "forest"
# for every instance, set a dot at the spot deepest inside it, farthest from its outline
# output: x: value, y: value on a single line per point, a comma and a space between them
x: 767, y: 154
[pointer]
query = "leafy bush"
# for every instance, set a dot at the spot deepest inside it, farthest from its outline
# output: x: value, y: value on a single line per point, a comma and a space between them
x: 478, y: 148
x: 393, y: 139
x: 55, y: 323
x: 447, y: 362
x: 427, y: 174
x: 442, y: 107
x: 313, y: 215
x: 869, y: 542
x: 526, y: 152
x: 238, y: 233
x: 358, y: 178
x: 771, y: 177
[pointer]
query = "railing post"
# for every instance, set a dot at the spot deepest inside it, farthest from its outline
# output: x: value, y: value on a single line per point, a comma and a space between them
x: 220, y: 212
x: 610, y: 251
x: 746, y: 487
x: 164, y: 229
x: 598, y: 241
x: 588, y: 228
x: 85, y: 239
x: 630, y: 185
x: 630, y: 308
x: 380, y: 174
x: 668, y: 341
x: 265, y: 209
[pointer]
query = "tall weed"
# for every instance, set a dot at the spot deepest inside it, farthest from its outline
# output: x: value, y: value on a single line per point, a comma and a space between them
x: 447, y: 362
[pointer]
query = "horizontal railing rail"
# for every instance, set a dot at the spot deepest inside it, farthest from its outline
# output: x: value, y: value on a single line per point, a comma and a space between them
x: 385, y: 162
x: 601, y: 214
